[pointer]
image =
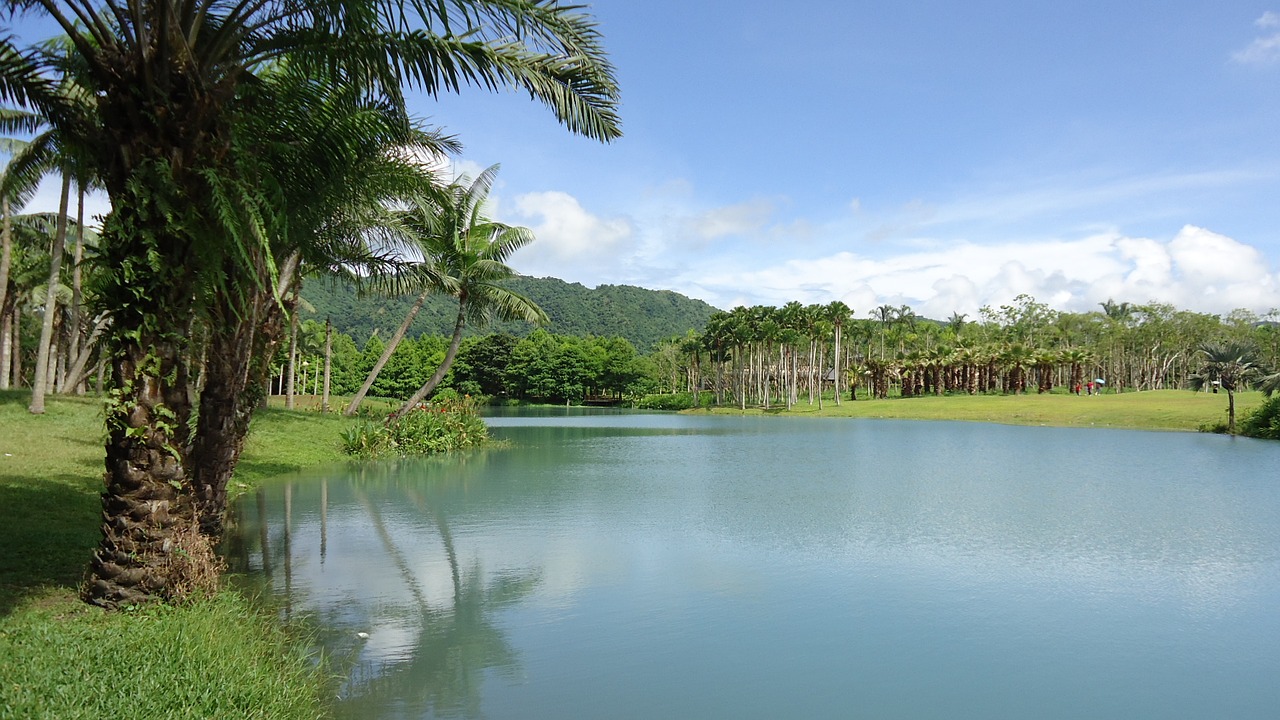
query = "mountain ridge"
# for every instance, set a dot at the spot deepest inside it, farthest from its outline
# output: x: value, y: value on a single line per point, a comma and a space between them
x: 643, y: 316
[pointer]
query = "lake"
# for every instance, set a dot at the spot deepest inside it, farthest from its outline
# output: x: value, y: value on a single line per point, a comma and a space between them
x: 615, y: 565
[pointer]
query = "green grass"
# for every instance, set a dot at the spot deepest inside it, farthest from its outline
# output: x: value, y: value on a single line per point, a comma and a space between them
x: 220, y: 657
x: 1151, y: 410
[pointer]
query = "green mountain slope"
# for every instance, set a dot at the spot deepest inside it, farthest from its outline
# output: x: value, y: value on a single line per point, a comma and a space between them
x: 645, y: 317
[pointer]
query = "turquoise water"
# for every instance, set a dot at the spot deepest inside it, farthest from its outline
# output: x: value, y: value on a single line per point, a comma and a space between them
x: 610, y: 565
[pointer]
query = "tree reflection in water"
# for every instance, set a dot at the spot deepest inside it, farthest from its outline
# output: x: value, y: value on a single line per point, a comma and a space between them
x: 440, y: 670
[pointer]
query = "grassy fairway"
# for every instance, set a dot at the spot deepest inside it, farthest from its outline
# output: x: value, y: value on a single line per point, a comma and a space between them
x: 1152, y: 410
x: 62, y: 659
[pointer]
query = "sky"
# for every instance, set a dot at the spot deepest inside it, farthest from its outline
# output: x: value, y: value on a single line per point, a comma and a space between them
x: 942, y: 155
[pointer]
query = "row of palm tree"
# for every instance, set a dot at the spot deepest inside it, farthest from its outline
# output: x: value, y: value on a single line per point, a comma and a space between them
x: 42, y: 268
x: 765, y: 355
x: 242, y: 146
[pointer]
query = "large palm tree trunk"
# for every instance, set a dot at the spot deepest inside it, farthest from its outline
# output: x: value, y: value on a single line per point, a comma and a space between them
x: 151, y: 547
x: 237, y: 367
x: 392, y: 344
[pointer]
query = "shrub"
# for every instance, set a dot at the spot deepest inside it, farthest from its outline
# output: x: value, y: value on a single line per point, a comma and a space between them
x: 675, y: 401
x: 448, y: 422
x: 1264, y: 421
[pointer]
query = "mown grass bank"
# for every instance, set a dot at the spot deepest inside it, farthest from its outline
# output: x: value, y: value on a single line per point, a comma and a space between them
x: 1151, y: 410
x: 220, y: 657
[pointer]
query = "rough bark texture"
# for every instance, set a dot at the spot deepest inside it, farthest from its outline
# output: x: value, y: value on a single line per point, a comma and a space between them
x: 237, y: 366
x: 147, y: 514
x: 162, y: 132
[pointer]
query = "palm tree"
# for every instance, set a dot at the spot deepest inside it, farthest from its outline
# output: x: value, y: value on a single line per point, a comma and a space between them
x: 467, y: 254
x: 16, y: 187
x: 190, y: 221
x: 340, y: 161
x: 1016, y: 358
x: 1076, y: 358
x: 1231, y: 366
x: 838, y: 314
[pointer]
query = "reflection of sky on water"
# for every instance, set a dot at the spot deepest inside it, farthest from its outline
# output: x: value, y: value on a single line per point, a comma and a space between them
x: 598, y: 536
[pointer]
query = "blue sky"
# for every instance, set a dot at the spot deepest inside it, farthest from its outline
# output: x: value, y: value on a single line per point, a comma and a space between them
x: 940, y: 154
x: 943, y: 155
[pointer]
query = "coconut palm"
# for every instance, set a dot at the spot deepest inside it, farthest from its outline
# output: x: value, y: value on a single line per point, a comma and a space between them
x: 466, y: 255
x: 191, y: 220
x: 1231, y: 366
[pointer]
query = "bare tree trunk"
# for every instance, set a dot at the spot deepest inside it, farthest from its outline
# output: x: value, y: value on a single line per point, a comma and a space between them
x: 40, y: 385
x: 328, y: 357
x: 392, y: 344
x: 449, y: 355
x: 78, y: 374
x: 293, y: 359
x: 77, y: 296
x: 6, y: 259
x: 6, y: 345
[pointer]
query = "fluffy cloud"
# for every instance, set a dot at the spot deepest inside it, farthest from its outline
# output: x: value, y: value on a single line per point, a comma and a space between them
x: 1196, y: 269
x: 1263, y: 50
x: 572, y: 243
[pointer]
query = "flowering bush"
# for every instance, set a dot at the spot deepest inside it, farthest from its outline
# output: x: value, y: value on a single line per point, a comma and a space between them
x: 448, y: 422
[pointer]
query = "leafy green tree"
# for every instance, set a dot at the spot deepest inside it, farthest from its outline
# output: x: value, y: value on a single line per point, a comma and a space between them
x: 481, y: 363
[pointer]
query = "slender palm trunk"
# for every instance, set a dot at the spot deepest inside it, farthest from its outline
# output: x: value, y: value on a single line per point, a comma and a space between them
x: 15, y: 349
x: 77, y: 295
x: 328, y: 357
x: 293, y: 360
x: 40, y: 385
x: 458, y: 326
x: 6, y: 343
x: 6, y: 259
x: 392, y: 344
x: 836, y: 356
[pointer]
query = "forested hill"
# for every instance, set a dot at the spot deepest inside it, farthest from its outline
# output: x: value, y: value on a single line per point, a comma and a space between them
x: 645, y: 317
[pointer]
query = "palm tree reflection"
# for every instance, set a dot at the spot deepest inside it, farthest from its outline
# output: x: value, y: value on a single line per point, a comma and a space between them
x: 441, y: 673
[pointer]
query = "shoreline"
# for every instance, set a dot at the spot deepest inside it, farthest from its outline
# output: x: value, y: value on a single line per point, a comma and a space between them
x: 1163, y: 410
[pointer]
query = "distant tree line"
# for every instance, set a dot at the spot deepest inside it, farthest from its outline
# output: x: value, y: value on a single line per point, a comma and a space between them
x: 775, y: 356
x: 541, y: 367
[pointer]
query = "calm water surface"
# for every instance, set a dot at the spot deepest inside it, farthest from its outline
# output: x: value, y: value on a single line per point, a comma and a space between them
x: 614, y: 565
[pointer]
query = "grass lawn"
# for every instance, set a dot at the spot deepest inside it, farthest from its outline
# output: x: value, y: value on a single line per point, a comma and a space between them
x: 62, y: 659
x: 1151, y: 410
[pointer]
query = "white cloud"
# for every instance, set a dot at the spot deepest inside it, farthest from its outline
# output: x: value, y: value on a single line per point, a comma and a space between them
x: 1263, y: 50
x: 572, y: 243
x: 1196, y: 269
